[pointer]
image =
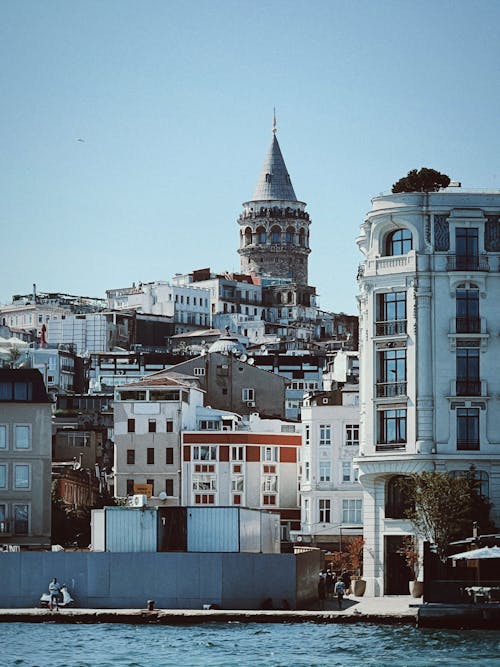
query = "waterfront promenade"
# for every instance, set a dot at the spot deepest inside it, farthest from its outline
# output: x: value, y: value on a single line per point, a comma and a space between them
x: 389, y: 610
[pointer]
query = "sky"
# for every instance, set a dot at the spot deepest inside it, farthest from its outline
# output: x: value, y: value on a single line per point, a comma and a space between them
x: 174, y: 104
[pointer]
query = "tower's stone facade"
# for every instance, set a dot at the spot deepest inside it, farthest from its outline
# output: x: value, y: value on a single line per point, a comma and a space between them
x: 274, y: 225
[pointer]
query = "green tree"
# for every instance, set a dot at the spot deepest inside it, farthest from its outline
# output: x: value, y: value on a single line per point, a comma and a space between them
x: 444, y: 507
x: 424, y: 180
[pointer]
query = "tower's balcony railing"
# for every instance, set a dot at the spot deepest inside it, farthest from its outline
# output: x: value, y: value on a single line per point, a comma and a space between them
x: 390, y: 389
x: 469, y: 387
x: 467, y: 263
x: 393, y: 264
x: 390, y: 328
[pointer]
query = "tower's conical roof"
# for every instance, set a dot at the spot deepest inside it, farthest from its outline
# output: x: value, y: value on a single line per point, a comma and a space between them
x: 274, y: 180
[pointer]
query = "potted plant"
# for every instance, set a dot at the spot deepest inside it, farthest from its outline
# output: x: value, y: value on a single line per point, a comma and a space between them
x: 411, y: 553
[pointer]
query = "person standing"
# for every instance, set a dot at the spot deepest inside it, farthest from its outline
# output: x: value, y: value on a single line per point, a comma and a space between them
x: 54, y: 592
x: 321, y: 591
x: 339, y: 591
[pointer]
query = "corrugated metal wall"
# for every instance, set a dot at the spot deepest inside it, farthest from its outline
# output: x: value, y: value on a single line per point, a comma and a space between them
x: 213, y: 529
x: 131, y: 531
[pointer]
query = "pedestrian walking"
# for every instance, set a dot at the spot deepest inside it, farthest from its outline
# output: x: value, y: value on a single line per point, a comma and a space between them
x: 339, y: 592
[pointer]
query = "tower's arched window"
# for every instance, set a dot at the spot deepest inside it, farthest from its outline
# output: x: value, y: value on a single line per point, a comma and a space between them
x: 396, y: 502
x: 302, y: 237
x: 248, y: 236
x: 261, y: 235
x: 268, y: 178
x: 398, y: 242
x: 289, y: 235
x: 276, y: 234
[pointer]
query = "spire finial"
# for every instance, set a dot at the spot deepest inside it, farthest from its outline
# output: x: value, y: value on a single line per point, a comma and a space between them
x: 274, y: 120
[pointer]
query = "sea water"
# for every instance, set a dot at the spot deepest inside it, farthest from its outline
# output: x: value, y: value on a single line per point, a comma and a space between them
x: 238, y: 644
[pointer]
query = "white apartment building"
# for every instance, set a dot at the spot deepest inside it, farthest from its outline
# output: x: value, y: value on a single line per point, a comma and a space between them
x: 149, y: 416
x: 331, y: 496
x: 429, y: 351
x: 188, y: 305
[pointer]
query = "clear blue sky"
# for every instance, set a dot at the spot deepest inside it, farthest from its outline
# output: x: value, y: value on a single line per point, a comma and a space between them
x: 174, y: 101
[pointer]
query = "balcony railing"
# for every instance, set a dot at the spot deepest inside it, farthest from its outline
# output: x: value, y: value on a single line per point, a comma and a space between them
x: 468, y: 325
x: 469, y: 444
x: 468, y: 388
x: 390, y: 389
x: 390, y: 328
x: 390, y: 447
x: 467, y: 263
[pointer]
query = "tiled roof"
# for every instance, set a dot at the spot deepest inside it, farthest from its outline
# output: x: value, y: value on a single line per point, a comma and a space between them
x: 274, y: 181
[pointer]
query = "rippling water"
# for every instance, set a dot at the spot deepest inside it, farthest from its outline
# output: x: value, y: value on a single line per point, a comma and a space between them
x: 235, y: 644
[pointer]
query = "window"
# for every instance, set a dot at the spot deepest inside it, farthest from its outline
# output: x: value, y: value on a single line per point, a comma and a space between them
x: 22, y: 476
x: 236, y: 499
x: 21, y: 519
x: 169, y: 456
x: 467, y: 248
x: 130, y: 425
x: 204, y: 499
x: 346, y: 471
x: 467, y: 428
x: 269, y: 500
x: 325, y: 471
x: 170, y: 426
x: 152, y: 426
x: 325, y: 434
x: 392, y: 373
x: 22, y: 437
x: 398, y: 242
x: 23, y: 391
x: 247, y: 394
x: 130, y: 487
x: 392, y: 427
x: 199, y: 371
x: 307, y: 435
x: 270, y: 454
x: 3, y: 476
x: 151, y: 483
x: 324, y: 510
x: 169, y: 487
x: 352, y: 434
x: 396, y: 502
x: 270, y: 483
x: 130, y: 456
x: 4, y: 524
x: 480, y: 478
x: 391, y: 314
x: 237, y: 483
x: 351, y: 510
x: 205, y: 453
x: 237, y: 453
x: 307, y: 471
x: 210, y: 425
x: 467, y: 309
x: 150, y: 455
x: 468, y: 382
x: 3, y: 436
x: 275, y: 235
x: 289, y: 236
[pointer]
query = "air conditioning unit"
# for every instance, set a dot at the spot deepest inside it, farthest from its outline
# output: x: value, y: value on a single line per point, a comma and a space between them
x: 251, y: 404
x: 139, y: 500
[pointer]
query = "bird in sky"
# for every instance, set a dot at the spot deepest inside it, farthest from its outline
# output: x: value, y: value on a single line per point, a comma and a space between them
x: 81, y: 140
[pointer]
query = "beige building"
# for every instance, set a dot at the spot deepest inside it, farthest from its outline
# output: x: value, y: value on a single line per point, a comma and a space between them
x: 25, y: 459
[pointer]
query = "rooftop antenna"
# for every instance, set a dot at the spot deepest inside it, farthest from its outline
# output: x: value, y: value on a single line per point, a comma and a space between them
x: 274, y: 120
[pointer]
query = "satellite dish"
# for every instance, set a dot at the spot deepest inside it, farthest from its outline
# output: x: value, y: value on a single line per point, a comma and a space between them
x: 162, y: 495
x: 251, y: 361
x: 243, y: 357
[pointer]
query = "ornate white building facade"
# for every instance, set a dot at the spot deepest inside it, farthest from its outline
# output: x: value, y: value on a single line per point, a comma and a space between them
x: 429, y: 351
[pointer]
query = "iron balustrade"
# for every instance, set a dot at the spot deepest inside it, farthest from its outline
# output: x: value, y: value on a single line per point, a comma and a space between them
x: 468, y: 387
x: 389, y: 447
x: 468, y: 263
x: 467, y: 443
x: 390, y: 389
x: 467, y: 325
x: 390, y: 328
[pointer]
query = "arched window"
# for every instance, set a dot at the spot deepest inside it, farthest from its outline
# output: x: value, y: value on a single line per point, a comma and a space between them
x: 248, y: 236
x: 276, y: 234
x: 398, y: 242
x: 289, y: 235
x: 261, y: 235
x: 396, y: 503
x: 302, y: 237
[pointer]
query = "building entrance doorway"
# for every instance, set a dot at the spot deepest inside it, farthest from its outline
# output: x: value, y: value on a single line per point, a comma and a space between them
x: 397, y: 574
